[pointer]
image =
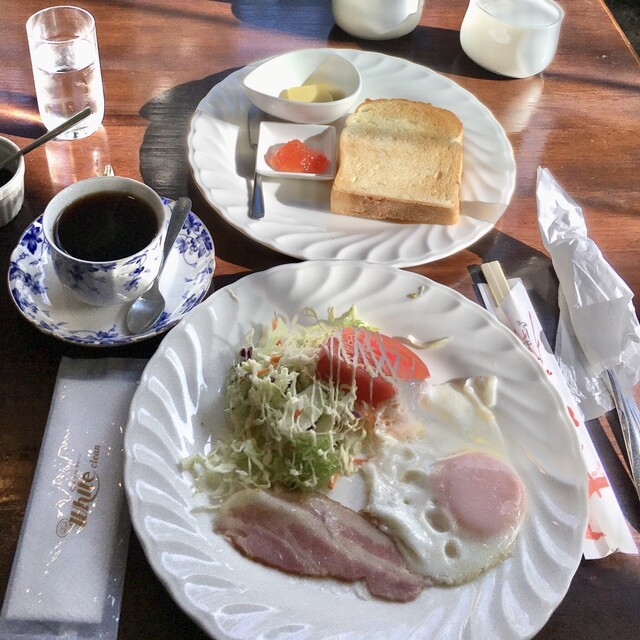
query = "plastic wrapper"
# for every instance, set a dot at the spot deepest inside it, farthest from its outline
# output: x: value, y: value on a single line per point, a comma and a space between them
x: 598, y: 328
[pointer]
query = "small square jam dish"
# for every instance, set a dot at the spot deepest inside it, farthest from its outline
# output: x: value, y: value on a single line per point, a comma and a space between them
x: 306, y: 151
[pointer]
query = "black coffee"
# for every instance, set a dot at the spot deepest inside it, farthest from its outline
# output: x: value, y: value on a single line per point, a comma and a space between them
x: 100, y: 227
x: 5, y: 176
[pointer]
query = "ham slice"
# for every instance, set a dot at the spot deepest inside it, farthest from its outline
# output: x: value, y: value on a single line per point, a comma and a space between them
x: 485, y: 496
x: 309, y: 534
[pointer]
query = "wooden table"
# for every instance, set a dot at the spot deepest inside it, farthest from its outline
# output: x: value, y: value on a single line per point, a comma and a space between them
x: 160, y: 57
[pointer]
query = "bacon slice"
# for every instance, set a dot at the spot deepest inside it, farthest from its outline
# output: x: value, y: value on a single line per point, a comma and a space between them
x: 312, y: 535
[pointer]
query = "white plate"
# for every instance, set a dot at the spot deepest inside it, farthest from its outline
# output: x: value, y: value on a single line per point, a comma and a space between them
x: 177, y: 409
x: 274, y: 135
x: 297, y: 221
x: 46, y: 303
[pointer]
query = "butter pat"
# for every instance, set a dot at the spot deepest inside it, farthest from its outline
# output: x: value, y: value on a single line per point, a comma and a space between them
x: 308, y: 93
x: 68, y: 571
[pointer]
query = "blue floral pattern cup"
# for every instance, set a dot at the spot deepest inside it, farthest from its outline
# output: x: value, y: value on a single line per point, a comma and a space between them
x: 110, y: 282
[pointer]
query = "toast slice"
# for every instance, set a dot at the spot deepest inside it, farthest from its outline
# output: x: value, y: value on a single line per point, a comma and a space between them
x: 400, y: 160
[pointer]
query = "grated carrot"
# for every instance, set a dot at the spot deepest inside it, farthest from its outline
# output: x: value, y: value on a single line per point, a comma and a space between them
x: 333, y: 480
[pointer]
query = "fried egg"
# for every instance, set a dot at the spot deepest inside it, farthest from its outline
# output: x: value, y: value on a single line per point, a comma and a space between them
x: 447, y: 495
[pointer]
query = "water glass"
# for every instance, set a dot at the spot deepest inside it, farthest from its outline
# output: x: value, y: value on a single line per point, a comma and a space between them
x: 66, y: 68
x: 515, y: 38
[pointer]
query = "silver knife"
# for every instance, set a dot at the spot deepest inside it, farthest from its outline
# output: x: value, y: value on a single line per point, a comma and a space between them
x: 254, y: 118
x: 629, y: 416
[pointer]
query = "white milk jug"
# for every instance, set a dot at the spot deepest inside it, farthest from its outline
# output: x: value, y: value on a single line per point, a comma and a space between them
x: 377, y: 19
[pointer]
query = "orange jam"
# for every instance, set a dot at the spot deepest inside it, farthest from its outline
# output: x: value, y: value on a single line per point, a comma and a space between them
x: 297, y: 157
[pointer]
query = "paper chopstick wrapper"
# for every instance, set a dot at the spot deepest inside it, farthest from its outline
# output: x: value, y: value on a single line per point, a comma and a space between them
x: 607, y: 530
x: 68, y: 572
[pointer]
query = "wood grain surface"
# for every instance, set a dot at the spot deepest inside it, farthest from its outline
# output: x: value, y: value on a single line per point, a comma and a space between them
x: 580, y: 119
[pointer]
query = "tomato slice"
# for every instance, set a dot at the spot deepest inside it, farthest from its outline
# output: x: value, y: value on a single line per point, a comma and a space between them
x: 371, y: 360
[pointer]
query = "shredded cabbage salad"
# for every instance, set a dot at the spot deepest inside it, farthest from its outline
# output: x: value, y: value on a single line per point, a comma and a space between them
x: 286, y: 427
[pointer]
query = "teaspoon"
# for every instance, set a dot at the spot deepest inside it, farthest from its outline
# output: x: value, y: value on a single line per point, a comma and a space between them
x: 146, y: 309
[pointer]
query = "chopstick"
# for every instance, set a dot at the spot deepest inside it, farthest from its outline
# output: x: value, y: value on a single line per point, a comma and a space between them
x: 626, y: 407
x: 496, y: 281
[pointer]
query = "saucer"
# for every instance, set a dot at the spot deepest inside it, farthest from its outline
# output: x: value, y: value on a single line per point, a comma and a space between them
x: 46, y: 303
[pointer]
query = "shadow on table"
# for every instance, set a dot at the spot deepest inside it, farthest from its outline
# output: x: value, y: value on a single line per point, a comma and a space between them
x: 433, y: 47
x: 19, y: 115
x: 164, y: 167
x: 163, y: 154
x: 533, y: 267
x: 295, y: 17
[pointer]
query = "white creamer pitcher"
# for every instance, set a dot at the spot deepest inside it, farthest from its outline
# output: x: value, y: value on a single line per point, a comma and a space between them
x: 377, y: 19
x: 515, y: 38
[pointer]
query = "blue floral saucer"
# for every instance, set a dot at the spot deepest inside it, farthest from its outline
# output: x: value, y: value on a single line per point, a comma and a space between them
x: 46, y: 303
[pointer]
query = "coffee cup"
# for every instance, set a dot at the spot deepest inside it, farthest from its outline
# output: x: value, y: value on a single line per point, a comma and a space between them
x: 11, y: 182
x: 105, y: 237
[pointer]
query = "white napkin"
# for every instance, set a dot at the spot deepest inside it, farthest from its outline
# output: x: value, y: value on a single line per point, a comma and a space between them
x: 598, y: 327
x: 607, y: 530
x: 68, y: 571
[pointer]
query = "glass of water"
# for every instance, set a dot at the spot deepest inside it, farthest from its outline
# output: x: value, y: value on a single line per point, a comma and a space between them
x: 66, y: 68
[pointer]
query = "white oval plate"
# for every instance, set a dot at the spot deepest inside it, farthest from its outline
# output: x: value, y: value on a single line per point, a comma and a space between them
x: 297, y: 221
x: 46, y: 303
x: 177, y: 410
